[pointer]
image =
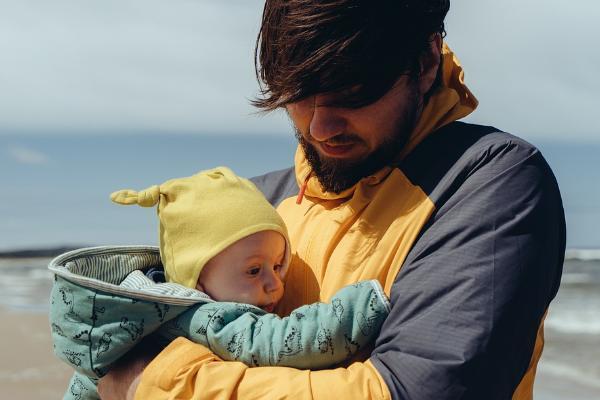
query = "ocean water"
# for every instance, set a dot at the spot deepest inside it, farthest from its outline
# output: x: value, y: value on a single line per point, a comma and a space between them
x: 56, y: 188
x: 577, y: 310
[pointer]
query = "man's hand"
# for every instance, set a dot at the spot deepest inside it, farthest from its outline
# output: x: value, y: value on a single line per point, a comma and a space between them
x: 123, y: 379
x: 121, y: 382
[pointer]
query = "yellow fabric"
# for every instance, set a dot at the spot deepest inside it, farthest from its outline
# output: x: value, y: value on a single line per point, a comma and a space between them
x: 144, y: 198
x: 451, y: 101
x: 338, y: 242
x: 203, y: 214
x: 189, y: 371
x: 363, y: 233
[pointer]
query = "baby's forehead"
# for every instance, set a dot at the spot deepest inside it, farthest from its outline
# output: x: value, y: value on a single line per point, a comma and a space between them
x: 258, y: 251
x: 264, y: 246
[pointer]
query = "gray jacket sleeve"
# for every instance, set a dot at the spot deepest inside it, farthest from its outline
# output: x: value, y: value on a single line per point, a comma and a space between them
x: 469, y: 299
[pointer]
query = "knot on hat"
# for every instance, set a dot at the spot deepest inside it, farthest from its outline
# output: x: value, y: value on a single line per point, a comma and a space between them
x: 145, y: 198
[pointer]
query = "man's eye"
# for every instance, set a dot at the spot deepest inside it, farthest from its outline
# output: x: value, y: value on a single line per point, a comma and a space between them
x: 352, y: 90
x: 254, y: 271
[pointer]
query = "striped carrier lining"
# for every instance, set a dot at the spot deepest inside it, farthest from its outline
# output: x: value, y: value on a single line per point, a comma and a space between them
x: 117, y: 270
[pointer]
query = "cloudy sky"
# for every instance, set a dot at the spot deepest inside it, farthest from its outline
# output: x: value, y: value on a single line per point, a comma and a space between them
x: 183, y: 66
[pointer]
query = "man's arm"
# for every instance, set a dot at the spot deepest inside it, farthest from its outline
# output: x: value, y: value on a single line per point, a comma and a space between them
x: 472, y: 293
x: 123, y: 378
x: 189, y: 371
x: 185, y: 370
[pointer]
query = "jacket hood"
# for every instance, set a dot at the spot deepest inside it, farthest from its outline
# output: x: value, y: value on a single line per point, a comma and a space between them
x: 451, y: 101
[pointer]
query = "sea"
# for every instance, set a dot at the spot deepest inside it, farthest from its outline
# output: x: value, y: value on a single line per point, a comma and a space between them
x: 55, y: 192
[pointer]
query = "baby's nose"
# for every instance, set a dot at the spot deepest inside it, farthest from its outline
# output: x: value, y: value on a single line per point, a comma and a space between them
x: 274, y: 282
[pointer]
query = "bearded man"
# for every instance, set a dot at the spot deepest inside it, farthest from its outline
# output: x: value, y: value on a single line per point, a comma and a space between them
x: 462, y: 224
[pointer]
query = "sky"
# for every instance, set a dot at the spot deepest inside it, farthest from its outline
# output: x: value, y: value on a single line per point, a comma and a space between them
x: 181, y: 66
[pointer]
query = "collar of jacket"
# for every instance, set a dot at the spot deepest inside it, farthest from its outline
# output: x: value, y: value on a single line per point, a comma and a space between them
x: 450, y: 102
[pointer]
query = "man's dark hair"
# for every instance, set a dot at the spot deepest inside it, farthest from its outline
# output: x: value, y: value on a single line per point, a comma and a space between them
x: 358, y: 48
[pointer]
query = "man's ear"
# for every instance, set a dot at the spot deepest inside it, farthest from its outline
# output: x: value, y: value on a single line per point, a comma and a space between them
x: 430, y: 63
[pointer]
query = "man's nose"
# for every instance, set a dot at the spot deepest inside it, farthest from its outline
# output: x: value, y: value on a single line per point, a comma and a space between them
x: 326, y: 122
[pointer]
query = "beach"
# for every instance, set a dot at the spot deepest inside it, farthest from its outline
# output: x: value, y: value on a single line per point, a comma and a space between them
x: 569, y: 368
x: 28, y: 369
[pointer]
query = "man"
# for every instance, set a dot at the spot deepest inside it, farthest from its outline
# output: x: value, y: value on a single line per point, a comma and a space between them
x: 462, y: 224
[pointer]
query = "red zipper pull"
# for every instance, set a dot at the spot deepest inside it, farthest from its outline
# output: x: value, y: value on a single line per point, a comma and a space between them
x: 302, y: 190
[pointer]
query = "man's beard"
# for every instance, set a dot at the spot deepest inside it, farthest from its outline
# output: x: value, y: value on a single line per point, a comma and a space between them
x: 337, y: 175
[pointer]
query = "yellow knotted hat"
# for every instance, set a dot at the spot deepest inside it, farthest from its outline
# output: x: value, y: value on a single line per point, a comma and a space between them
x: 203, y: 214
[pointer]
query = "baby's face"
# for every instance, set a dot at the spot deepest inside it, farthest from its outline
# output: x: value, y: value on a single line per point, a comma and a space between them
x: 248, y: 271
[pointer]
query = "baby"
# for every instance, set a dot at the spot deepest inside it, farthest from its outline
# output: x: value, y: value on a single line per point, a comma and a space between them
x: 225, y: 253
x: 219, y: 234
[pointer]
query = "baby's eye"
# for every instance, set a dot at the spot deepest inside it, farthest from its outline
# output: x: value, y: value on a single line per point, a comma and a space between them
x: 254, y: 271
x: 277, y: 267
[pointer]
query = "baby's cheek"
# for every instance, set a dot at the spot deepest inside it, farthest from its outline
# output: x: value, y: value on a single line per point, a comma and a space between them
x: 232, y: 292
x: 248, y: 295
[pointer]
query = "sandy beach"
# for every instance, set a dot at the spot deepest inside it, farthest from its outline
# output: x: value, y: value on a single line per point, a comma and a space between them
x: 569, y: 368
x: 29, y: 369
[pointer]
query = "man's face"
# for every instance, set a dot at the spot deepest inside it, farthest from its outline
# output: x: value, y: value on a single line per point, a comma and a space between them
x: 343, y: 145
